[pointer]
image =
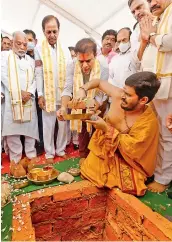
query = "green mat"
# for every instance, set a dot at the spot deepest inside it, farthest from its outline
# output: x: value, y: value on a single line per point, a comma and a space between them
x: 6, y: 222
x: 157, y: 202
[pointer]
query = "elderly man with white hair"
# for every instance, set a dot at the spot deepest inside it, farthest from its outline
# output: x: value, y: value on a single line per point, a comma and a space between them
x: 20, y: 117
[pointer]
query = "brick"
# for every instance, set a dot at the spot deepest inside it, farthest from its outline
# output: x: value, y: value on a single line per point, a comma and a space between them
x: 61, y: 196
x: 98, y: 202
x: 92, y: 190
x: 38, y: 203
x: 46, y: 215
x: 43, y: 229
x: 75, y: 235
x: 73, y: 207
x: 111, y: 206
x: 97, y: 228
x: 126, y: 237
x: 129, y: 225
x: 87, y: 233
x: 93, y: 216
x: 154, y: 230
x: 130, y: 210
x: 114, y: 225
x: 64, y: 225
x: 53, y: 237
x: 110, y: 233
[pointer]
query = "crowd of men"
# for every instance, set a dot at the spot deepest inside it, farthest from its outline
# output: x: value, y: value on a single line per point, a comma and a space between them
x: 130, y: 81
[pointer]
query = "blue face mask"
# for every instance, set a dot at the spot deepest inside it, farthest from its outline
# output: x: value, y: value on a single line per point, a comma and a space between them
x: 30, y: 46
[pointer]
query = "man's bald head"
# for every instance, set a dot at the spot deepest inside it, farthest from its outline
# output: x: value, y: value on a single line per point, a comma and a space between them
x: 19, y: 43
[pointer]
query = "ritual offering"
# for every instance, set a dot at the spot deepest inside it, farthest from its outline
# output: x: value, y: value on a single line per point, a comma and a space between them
x: 84, y: 104
x: 41, y: 176
x: 65, y: 177
x: 82, y: 116
x: 21, y: 184
x: 5, y: 193
x: 74, y: 171
x: 94, y: 117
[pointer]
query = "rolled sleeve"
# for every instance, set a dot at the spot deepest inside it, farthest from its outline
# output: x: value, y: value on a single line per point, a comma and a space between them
x: 100, y: 96
x: 164, y: 42
x: 68, y: 87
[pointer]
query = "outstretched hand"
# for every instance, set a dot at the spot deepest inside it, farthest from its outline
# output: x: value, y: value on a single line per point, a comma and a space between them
x: 60, y: 113
x: 98, y: 122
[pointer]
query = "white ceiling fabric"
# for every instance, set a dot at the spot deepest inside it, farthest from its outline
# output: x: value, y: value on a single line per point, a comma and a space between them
x: 78, y: 18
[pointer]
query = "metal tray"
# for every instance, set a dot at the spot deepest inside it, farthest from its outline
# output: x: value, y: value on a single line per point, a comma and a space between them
x: 20, y: 177
x: 55, y: 174
x: 83, y: 116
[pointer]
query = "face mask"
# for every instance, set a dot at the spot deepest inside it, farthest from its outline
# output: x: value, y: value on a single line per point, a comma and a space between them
x: 30, y: 46
x: 123, y: 47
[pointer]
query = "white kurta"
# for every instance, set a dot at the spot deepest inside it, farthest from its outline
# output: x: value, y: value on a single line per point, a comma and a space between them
x: 49, y: 119
x: 163, y: 105
x: 121, y: 67
x: 11, y: 127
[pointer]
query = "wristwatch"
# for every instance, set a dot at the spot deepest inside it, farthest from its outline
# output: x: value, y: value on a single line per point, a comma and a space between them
x: 151, y: 35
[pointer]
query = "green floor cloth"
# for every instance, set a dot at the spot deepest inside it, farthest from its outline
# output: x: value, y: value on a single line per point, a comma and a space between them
x: 157, y: 202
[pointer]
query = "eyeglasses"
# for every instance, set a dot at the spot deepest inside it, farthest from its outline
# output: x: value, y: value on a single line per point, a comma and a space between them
x: 52, y: 31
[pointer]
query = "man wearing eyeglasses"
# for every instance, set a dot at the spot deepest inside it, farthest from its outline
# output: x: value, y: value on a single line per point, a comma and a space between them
x: 80, y: 72
x: 50, y: 78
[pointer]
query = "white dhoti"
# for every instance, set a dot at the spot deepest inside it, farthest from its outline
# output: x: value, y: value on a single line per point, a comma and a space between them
x: 71, y: 135
x: 163, y: 171
x: 15, y: 147
x: 49, y: 121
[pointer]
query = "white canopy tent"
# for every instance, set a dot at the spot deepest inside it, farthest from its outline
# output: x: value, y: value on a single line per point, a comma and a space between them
x: 78, y: 18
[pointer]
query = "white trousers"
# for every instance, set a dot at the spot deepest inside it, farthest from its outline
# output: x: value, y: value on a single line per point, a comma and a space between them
x: 72, y: 135
x: 163, y: 171
x: 49, y: 121
x: 15, y: 147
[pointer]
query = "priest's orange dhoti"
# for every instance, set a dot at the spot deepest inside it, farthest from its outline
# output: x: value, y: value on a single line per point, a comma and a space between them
x: 124, y: 160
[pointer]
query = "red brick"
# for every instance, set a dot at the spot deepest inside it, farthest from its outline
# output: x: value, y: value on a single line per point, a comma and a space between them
x: 61, y: 196
x: 44, y: 215
x: 73, y: 207
x: 126, y: 237
x: 93, y: 216
x: 64, y: 225
x: 54, y: 237
x: 98, y: 201
x: 43, y: 230
x: 110, y: 233
x: 114, y: 225
x: 152, y: 229
x: 92, y: 190
x: 129, y: 209
x: 111, y: 206
x: 129, y: 225
x: 92, y: 232
x: 38, y: 203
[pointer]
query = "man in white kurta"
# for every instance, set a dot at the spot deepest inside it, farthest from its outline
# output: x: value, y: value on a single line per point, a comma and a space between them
x: 20, y: 118
x: 84, y: 69
x: 157, y: 57
x: 122, y: 65
x: 48, y: 74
